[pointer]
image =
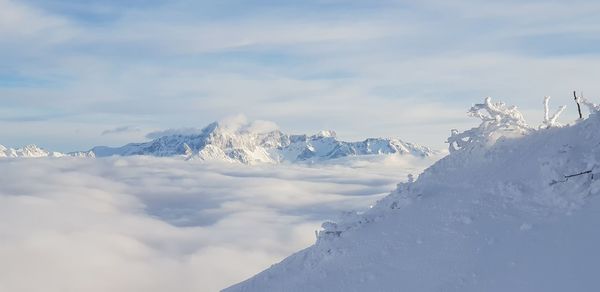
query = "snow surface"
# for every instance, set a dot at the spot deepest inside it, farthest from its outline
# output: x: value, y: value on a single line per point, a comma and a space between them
x: 242, y: 143
x: 512, y: 208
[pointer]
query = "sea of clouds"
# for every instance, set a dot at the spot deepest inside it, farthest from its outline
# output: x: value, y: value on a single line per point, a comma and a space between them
x: 163, y: 224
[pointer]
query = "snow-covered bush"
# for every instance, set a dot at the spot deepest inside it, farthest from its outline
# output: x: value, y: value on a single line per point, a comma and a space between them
x: 550, y: 121
x: 497, y: 120
x: 593, y: 108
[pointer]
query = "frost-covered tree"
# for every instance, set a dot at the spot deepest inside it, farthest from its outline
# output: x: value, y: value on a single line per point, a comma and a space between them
x: 550, y: 121
x: 592, y: 107
x: 497, y: 119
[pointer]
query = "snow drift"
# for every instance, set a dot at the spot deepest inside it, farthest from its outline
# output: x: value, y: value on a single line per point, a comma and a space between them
x: 512, y: 208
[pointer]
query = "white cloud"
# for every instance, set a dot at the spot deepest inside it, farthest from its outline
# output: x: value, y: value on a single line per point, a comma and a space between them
x: 240, y: 123
x: 152, y: 224
x: 186, y: 38
x: 261, y: 126
x: 21, y: 23
x: 170, y: 132
x: 120, y: 130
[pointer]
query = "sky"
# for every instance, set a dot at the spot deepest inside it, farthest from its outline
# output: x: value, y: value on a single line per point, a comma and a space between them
x: 75, y: 74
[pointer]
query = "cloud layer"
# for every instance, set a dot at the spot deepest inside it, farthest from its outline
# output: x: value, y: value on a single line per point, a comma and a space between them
x: 156, y: 224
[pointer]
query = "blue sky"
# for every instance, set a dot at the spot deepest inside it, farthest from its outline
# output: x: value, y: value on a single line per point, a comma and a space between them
x: 74, y: 74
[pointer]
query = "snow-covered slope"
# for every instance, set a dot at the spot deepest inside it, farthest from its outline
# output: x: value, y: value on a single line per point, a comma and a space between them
x: 33, y: 151
x: 512, y: 208
x: 216, y: 142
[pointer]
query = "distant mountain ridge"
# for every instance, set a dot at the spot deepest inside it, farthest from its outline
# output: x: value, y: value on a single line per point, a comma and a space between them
x: 32, y: 151
x: 221, y: 142
x: 218, y: 142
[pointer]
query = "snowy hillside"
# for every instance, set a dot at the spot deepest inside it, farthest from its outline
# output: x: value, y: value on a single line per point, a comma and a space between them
x: 512, y: 208
x: 218, y: 142
x: 33, y: 151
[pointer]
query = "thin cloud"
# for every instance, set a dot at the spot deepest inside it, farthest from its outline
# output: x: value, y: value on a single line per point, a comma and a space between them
x: 240, y: 123
x: 120, y: 130
x: 174, y: 131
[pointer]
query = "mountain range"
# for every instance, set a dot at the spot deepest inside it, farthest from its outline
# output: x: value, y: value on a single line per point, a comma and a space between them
x: 222, y: 143
x: 219, y: 142
x: 33, y: 151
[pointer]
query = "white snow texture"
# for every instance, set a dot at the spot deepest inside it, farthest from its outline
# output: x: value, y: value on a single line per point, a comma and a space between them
x: 512, y: 208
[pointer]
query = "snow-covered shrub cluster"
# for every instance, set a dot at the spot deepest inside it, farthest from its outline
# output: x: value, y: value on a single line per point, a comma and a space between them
x: 550, y: 121
x: 498, y: 120
x: 590, y: 105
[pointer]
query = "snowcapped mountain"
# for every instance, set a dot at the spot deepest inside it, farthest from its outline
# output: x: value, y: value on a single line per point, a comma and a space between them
x: 33, y: 151
x: 27, y: 151
x: 219, y: 142
x: 511, y: 208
